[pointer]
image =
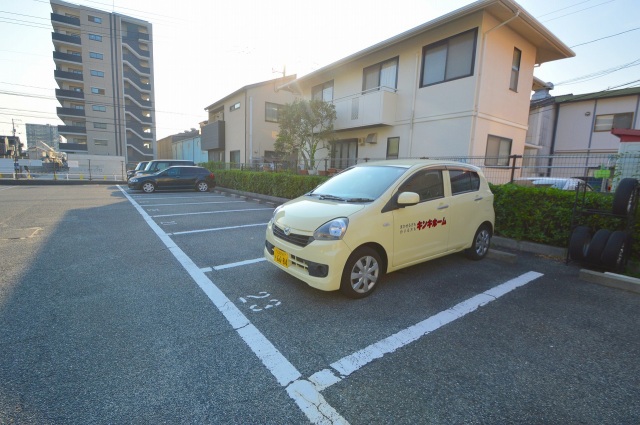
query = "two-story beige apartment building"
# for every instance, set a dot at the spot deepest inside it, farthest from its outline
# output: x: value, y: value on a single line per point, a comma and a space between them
x: 456, y: 86
x: 242, y: 127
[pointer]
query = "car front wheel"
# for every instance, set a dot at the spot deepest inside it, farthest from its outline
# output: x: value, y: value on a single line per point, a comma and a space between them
x: 148, y: 187
x: 202, y: 186
x: 481, y: 242
x: 361, y: 273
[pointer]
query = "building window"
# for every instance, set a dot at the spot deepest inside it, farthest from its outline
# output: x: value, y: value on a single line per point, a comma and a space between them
x: 383, y: 74
x: 234, y: 157
x: 96, y: 90
x: 449, y: 59
x: 234, y: 106
x: 498, y: 151
x: 95, y: 55
x: 95, y: 37
x: 323, y: 92
x: 99, y: 108
x: 95, y: 19
x: 100, y: 125
x: 77, y: 106
x: 344, y: 153
x: 100, y: 142
x: 97, y: 73
x: 610, y: 121
x: 272, y: 112
x: 393, y: 147
x: 515, y: 69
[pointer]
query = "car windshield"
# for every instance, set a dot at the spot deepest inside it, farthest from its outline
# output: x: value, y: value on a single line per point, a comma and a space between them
x: 359, y: 184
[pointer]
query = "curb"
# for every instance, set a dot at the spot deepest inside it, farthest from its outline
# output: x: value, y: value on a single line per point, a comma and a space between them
x: 611, y: 280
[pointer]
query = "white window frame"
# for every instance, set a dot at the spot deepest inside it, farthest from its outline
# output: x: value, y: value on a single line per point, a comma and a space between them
x: 445, y: 51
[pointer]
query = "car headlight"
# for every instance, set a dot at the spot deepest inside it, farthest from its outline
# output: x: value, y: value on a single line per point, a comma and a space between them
x: 332, y: 230
x: 273, y: 217
x: 133, y: 180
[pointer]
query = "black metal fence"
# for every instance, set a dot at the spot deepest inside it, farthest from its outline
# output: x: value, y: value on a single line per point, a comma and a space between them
x: 601, y: 171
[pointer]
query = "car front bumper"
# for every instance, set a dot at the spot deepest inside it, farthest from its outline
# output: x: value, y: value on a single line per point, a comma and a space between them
x: 319, y: 264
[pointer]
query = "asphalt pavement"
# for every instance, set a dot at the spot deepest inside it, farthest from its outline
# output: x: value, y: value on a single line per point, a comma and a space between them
x: 123, y: 307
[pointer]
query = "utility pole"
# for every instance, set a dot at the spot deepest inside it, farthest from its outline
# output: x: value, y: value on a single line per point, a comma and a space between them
x: 16, y: 146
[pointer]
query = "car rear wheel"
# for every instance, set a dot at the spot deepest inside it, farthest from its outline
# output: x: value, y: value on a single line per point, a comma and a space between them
x: 481, y: 243
x: 361, y: 273
x: 148, y: 187
x: 202, y: 186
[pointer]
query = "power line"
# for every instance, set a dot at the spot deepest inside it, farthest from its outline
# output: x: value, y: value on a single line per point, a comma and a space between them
x: 602, y: 38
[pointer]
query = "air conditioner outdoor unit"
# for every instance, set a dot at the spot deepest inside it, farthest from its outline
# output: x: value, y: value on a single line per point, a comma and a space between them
x: 372, y: 138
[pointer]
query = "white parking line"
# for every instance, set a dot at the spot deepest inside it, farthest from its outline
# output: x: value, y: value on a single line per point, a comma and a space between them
x: 351, y: 363
x: 190, y: 203
x: 215, y: 229
x: 211, y: 212
x: 146, y: 197
x: 7, y: 188
x: 303, y: 392
x: 232, y: 265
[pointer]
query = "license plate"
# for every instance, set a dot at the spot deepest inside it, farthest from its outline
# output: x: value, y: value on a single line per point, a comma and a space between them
x: 280, y: 257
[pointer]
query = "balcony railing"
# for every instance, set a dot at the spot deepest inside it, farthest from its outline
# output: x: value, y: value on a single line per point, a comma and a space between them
x: 65, y: 19
x: 67, y: 57
x: 72, y: 147
x: 135, y: 63
x: 140, y: 144
x: 138, y: 129
x: 372, y: 108
x: 137, y: 113
x: 66, y: 75
x: 135, y: 79
x: 72, y: 39
x: 70, y: 94
x: 135, y: 95
x: 212, y: 136
x: 71, y: 129
x: 70, y: 112
x: 134, y: 45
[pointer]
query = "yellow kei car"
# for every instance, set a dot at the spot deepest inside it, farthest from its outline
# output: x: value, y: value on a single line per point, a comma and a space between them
x: 378, y: 217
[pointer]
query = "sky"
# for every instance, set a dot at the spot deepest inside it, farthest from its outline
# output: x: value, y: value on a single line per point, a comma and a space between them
x: 206, y: 49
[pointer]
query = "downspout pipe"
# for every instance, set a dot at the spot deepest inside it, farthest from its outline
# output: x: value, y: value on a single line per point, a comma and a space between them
x: 476, y: 97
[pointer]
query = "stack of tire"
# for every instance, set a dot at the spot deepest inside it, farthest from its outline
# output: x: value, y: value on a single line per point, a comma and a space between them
x: 605, y: 248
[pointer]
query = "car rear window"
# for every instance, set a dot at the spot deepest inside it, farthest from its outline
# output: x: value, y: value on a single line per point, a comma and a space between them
x: 464, y: 181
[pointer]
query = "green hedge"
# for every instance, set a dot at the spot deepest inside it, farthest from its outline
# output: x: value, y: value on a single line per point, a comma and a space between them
x: 281, y: 185
x: 541, y: 215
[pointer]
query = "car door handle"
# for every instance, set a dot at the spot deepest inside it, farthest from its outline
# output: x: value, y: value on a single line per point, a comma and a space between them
x: 479, y: 198
x: 442, y: 207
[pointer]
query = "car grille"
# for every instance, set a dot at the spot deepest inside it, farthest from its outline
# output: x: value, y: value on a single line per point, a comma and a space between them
x: 299, y: 240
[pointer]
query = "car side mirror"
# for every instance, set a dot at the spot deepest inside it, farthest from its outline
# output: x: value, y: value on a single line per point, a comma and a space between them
x: 407, y: 199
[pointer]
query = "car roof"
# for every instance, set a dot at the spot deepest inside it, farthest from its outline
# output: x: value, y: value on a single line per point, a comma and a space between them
x: 409, y: 163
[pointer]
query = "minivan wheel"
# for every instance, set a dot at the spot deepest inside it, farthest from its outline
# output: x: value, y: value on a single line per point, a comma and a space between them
x: 481, y: 243
x: 202, y: 186
x: 361, y: 273
x: 148, y: 187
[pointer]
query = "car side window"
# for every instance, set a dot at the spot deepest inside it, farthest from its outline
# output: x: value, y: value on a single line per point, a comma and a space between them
x: 173, y: 172
x: 426, y: 183
x: 464, y: 181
